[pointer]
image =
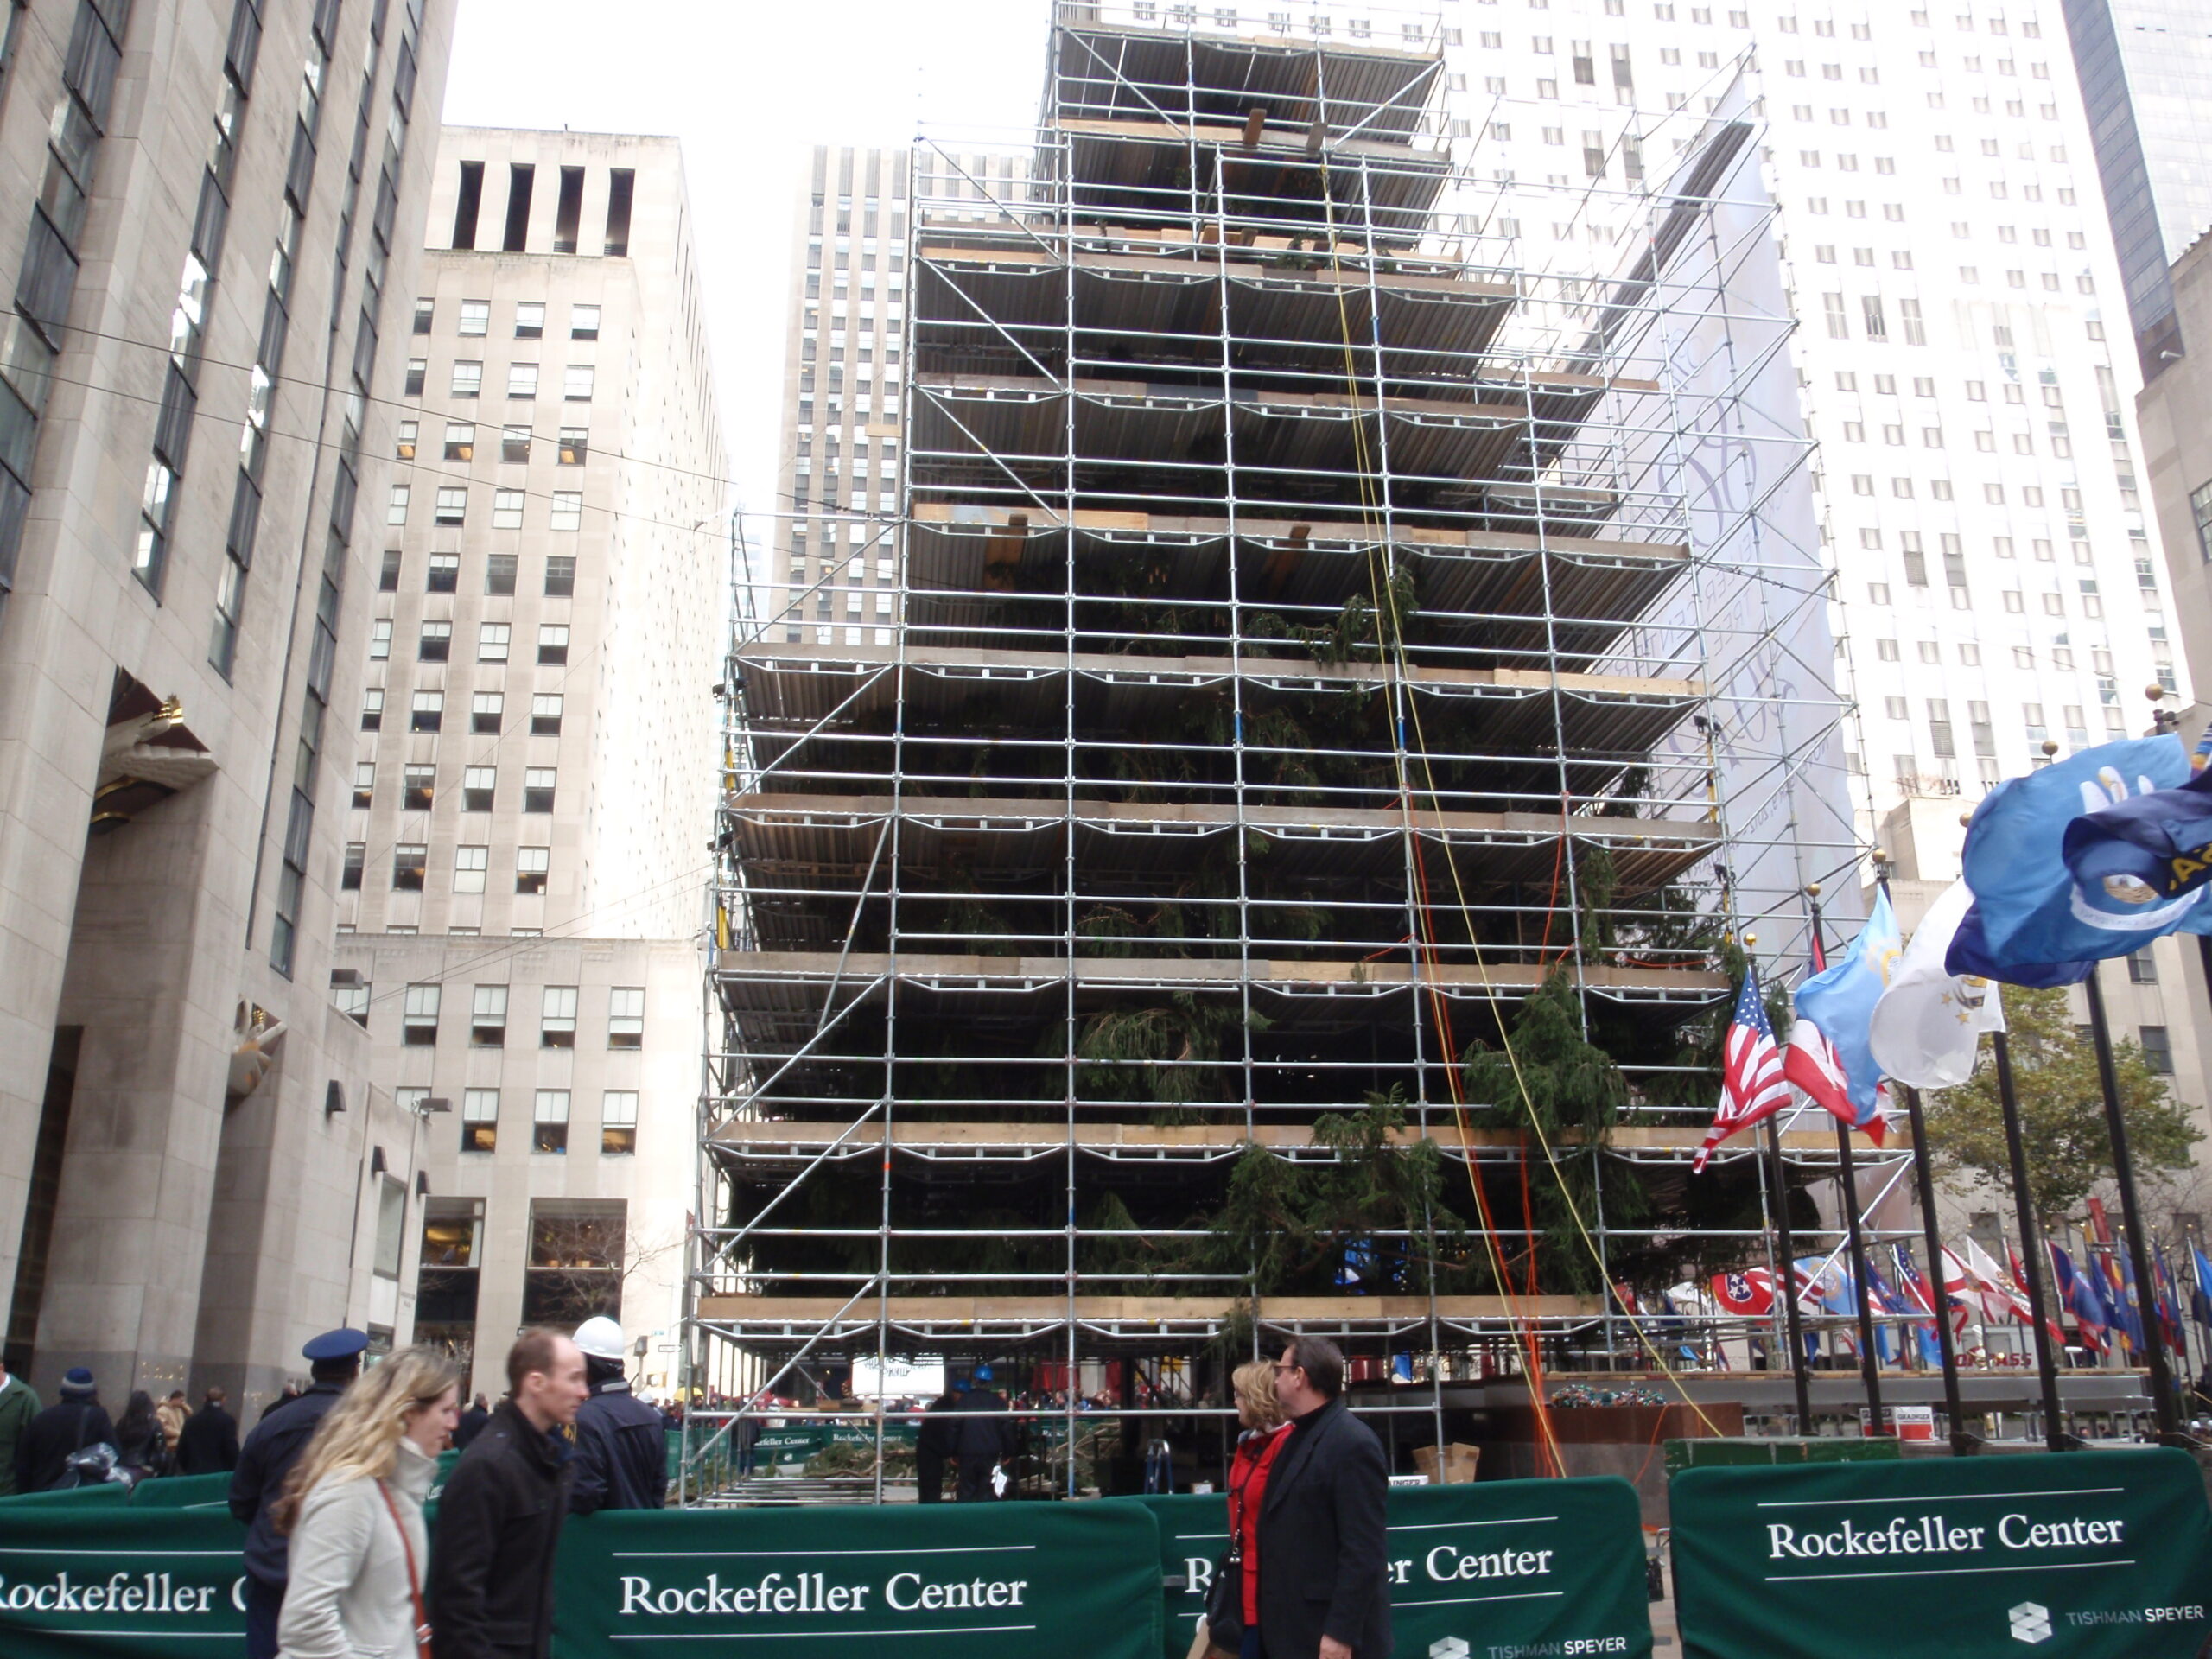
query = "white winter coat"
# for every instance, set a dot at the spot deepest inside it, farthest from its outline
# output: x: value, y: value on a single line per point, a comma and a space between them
x: 347, y: 1597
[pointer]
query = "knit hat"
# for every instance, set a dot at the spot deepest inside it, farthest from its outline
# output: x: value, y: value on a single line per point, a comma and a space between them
x: 76, y: 1384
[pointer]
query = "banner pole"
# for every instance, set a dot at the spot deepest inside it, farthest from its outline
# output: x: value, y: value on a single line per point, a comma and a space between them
x: 1963, y: 1440
x: 2033, y: 1260
x: 2131, y: 1209
x: 1787, y: 1288
x: 1870, y: 1358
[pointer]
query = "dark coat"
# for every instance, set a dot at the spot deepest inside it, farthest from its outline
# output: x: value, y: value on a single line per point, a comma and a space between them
x: 19, y: 1403
x: 982, y: 1439
x: 1324, y: 1557
x: 471, y: 1424
x: 258, y: 1480
x: 621, y: 1452
x: 208, y: 1443
x: 498, y: 1526
x: 65, y: 1426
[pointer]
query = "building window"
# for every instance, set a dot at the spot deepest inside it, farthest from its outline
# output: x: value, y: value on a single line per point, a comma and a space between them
x: 537, y: 788
x: 460, y: 441
x: 575, y: 386
x: 576, y: 445
x: 430, y: 711
x: 408, y: 861
x: 487, y: 1017
x: 404, y: 446
x: 625, y: 1017
x: 552, y: 643
x: 477, y: 784
x: 492, y: 641
x: 2200, y: 513
x: 548, y: 1121
x: 417, y: 367
x: 485, y: 713
x: 2142, y: 970
x: 479, y: 1122
x: 556, y: 1026
x: 583, y: 323
x: 531, y: 866
x: 364, y: 782
x: 453, y: 506
x: 2158, y: 1051
x: 388, y: 572
x: 522, y: 380
x: 417, y: 785
x: 475, y: 317
x: 514, y: 445
x: 349, y: 878
x: 467, y: 378
x: 380, y: 639
x: 447, y: 1268
x: 506, y: 509
x: 500, y: 574
x: 469, y: 865
x: 559, y: 574
x: 418, y: 1024
x: 576, y: 1259
x: 567, y: 509
x: 618, y: 1122
x: 425, y: 311
x: 352, y: 1001
x: 529, y: 320
x: 443, y: 575
x: 436, y: 645
x: 395, y: 511
x: 373, y: 709
x: 545, y: 714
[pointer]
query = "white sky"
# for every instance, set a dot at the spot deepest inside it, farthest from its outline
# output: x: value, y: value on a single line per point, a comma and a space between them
x: 750, y: 86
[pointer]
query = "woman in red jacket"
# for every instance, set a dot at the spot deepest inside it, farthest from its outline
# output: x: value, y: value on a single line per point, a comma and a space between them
x: 1265, y: 1429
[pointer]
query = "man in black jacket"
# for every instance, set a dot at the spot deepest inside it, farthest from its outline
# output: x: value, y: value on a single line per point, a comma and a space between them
x: 334, y: 1361
x: 208, y: 1443
x: 500, y: 1518
x: 1323, y: 1558
x: 74, y: 1421
x: 982, y: 1443
x: 621, y: 1442
x: 933, y: 1445
x: 471, y: 1422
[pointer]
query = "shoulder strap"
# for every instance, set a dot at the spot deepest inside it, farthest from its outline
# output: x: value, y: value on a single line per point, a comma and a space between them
x: 414, y: 1579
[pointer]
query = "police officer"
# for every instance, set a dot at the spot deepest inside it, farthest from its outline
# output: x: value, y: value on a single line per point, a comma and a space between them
x: 334, y: 1361
x: 621, y: 1442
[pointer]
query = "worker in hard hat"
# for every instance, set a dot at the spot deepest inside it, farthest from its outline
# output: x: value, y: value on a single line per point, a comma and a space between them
x: 621, y: 1442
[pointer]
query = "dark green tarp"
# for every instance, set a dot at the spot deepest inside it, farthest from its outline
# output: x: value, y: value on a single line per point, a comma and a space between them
x: 1508, y: 1567
x: 2087, y: 1555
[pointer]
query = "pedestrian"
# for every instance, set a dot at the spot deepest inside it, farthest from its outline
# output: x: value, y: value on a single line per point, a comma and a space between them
x: 1323, y: 1557
x: 621, y: 1442
x: 18, y: 1405
x: 352, y: 1513
x: 139, y: 1447
x: 1265, y: 1429
x: 982, y: 1439
x: 209, y: 1442
x: 500, y: 1517
x: 745, y: 1432
x: 68, y: 1426
x: 173, y: 1414
x: 471, y: 1422
x: 334, y: 1361
x: 933, y: 1445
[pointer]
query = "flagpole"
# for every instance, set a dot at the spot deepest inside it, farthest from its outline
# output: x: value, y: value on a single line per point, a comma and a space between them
x: 1870, y: 1358
x: 2131, y: 1210
x: 1795, y: 1317
x: 2033, y: 1259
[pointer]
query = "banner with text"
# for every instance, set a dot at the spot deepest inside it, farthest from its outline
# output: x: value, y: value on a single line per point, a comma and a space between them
x: 2087, y: 1556
x: 115, y: 1580
x: 1495, y: 1569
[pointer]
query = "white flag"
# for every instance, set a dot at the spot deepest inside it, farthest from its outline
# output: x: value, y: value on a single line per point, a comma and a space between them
x: 1928, y: 1021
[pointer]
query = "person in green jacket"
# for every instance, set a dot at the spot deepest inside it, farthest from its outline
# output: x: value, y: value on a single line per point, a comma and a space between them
x: 18, y: 1405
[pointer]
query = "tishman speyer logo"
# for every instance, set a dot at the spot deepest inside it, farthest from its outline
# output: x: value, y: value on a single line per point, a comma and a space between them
x: 2031, y: 1621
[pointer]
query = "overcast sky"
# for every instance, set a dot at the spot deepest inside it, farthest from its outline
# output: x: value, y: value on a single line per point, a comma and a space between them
x: 750, y: 86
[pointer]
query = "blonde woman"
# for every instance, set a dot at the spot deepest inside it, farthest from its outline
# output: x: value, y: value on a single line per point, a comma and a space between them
x: 353, y: 1507
x: 1265, y: 1428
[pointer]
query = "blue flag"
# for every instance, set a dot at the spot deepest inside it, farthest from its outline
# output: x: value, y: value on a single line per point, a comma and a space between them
x: 2199, y: 1299
x: 2147, y: 858
x: 1970, y: 955
x: 1840, y: 1001
x: 2030, y: 915
x: 2078, y: 1291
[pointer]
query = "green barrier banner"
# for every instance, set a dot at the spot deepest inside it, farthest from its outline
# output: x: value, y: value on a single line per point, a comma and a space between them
x: 114, y: 1580
x: 975, y: 1581
x: 178, y: 1492
x: 2084, y: 1555
x: 1494, y: 1569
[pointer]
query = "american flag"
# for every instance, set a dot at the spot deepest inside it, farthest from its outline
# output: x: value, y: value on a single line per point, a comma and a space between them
x: 1751, y: 1084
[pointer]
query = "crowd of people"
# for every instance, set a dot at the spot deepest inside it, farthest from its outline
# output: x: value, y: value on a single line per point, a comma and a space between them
x: 74, y: 1441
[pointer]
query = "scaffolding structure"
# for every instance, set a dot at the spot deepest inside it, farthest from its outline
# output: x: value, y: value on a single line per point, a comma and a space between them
x: 1318, y: 637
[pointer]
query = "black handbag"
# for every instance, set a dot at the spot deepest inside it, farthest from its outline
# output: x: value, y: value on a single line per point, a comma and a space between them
x: 1225, y: 1593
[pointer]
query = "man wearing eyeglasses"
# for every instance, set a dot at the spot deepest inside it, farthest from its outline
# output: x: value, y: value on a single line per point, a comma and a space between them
x: 1323, y: 1577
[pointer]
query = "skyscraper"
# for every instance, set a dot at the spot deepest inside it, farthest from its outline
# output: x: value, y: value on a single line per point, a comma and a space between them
x: 187, y: 433
x: 536, y: 760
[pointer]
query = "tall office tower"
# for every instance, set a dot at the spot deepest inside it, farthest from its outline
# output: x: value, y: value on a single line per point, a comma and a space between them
x: 536, y: 756
x: 185, y: 575
x: 2146, y: 71
x: 1306, y: 635
x: 1962, y: 347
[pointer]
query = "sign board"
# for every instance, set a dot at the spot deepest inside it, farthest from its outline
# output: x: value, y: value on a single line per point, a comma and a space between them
x: 957, y: 1582
x: 913, y: 1379
x: 115, y: 1580
x: 2084, y: 1555
x: 1495, y: 1569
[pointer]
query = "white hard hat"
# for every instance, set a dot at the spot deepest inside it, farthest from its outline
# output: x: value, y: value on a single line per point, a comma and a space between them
x: 600, y: 1337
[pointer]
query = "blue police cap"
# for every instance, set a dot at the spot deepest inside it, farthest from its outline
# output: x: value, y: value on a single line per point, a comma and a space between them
x: 341, y: 1344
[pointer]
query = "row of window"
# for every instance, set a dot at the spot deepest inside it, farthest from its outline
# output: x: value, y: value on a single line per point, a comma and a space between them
x: 487, y: 713
x: 486, y: 709
x: 530, y: 319
x: 572, y: 448
x: 549, y: 1119
x: 468, y: 379
x: 410, y: 863
x: 487, y: 1015
x: 565, y: 508
x: 435, y: 642
x: 479, y: 787
x: 443, y: 575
